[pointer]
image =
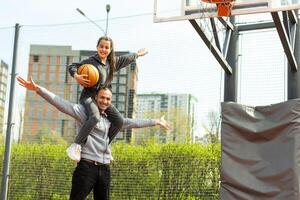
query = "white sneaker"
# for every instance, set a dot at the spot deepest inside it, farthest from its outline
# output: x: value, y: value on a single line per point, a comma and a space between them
x: 74, y: 152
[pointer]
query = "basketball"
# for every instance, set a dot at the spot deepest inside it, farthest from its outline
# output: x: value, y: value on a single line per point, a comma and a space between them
x: 91, y: 72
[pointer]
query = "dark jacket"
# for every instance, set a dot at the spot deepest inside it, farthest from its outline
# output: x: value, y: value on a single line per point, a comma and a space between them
x: 121, y: 62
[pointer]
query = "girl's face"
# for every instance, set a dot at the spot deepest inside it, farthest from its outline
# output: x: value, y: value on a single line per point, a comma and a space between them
x: 104, y: 49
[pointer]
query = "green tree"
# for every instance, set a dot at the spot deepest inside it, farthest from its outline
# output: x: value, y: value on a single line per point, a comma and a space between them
x: 1, y: 139
x: 213, y: 127
x: 180, y: 131
x: 181, y: 126
x: 151, y: 134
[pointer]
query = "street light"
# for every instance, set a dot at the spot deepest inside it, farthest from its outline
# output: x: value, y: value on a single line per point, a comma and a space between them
x: 82, y: 13
x: 107, y: 11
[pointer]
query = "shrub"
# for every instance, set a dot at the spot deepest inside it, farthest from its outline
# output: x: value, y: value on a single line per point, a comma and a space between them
x: 168, y: 171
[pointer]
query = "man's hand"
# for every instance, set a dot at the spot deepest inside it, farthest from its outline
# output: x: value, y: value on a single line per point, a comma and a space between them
x: 162, y: 123
x: 30, y: 85
x: 81, y: 79
x: 142, y: 52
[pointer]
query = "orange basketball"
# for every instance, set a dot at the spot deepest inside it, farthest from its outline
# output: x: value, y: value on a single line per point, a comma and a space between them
x: 91, y: 72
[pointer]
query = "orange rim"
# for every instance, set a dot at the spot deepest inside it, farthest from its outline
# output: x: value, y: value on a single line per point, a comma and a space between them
x: 224, y: 6
x: 217, y: 1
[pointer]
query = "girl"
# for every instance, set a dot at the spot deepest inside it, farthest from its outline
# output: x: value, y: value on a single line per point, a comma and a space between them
x: 107, y: 63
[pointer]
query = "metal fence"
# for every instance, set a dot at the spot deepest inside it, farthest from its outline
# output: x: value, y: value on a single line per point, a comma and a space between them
x: 44, y: 172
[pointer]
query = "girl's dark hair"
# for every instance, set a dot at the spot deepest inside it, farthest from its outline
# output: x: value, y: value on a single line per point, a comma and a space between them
x: 111, y: 58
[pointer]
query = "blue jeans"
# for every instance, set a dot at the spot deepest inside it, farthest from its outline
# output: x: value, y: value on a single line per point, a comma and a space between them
x: 88, y: 176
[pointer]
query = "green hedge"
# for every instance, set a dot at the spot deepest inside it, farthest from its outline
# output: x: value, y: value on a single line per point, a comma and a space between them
x: 168, y: 171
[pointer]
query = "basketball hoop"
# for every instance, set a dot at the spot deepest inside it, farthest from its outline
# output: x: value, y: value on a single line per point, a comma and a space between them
x: 224, y: 7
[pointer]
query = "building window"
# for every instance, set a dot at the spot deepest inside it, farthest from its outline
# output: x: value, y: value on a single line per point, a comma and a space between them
x: 68, y: 60
x: 122, y: 89
x: 63, y: 60
x: 114, y: 90
x: 53, y: 60
x: 121, y: 97
x: 152, y: 103
x: 130, y: 103
x: 133, y: 66
x: 123, y: 71
x: 52, y: 76
x: 121, y: 107
x: 62, y: 77
x: 44, y: 59
x: 35, y: 58
x: 34, y: 67
x: 114, y: 80
x: 122, y: 79
x: 34, y: 76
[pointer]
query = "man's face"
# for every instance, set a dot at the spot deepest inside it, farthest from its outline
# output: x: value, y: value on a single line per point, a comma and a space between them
x: 103, y: 99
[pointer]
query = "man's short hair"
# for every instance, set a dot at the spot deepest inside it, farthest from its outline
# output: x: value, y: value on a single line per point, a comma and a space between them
x: 103, y: 88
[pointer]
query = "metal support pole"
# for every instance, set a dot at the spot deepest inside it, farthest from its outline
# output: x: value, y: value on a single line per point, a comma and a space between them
x: 214, y: 50
x: 6, y: 161
x: 231, y: 80
x: 285, y: 41
x: 293, y: 76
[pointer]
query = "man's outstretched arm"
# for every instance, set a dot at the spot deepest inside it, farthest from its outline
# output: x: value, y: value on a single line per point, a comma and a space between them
x: 77, y: 112
x: 142, y: 123
x: 61, y: 104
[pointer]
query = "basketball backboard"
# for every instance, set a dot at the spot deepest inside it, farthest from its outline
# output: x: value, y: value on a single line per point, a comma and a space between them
x: 174, y: 10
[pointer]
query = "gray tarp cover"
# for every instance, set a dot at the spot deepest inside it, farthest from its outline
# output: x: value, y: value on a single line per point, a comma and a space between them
x: 260, y: 151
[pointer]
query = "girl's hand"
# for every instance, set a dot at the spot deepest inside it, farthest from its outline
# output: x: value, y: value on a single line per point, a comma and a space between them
x: 142, y: 52
x: 81, y: 79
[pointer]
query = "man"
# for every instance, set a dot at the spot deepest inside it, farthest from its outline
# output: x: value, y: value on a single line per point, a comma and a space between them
x: 92, y: 171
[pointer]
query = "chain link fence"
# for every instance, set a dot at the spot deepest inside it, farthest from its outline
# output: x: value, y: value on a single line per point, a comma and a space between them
x: 157, y: 172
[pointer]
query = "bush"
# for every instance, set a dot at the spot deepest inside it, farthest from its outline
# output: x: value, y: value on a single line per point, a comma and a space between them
x: 169, y: 171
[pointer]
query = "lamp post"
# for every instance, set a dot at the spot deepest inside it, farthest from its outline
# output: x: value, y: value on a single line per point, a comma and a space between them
x: 107, y: 11
x: 82, y: 13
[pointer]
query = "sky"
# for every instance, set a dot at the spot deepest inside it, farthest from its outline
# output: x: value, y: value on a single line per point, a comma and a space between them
x: 177, y: 62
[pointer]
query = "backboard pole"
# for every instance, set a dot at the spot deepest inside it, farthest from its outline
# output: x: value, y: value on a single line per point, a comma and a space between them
x: 215, y: 51
x: 231, y: 80
x: 215, y: 32
x: 283, y: 35
x: 293, y: 77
